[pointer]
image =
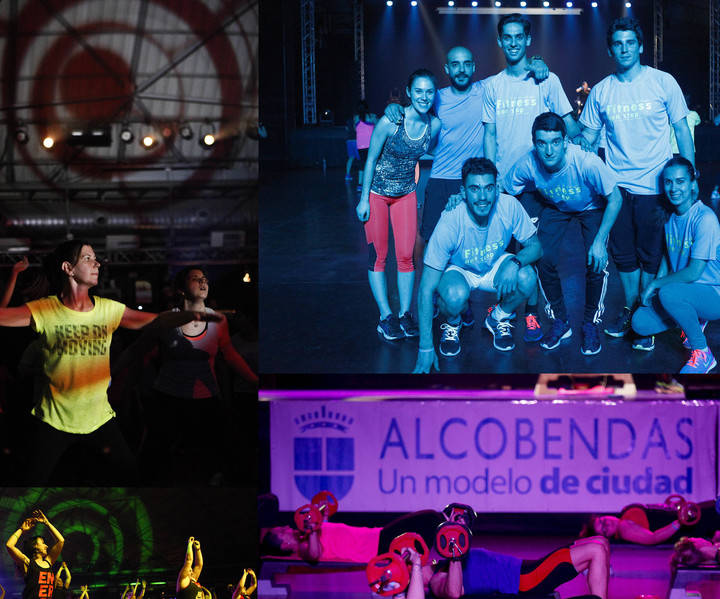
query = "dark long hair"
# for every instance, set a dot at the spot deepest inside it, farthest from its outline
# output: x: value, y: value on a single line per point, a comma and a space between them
x: 67, y: 251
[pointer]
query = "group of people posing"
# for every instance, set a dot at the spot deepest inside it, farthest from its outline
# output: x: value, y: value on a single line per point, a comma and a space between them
x: 511, y: 165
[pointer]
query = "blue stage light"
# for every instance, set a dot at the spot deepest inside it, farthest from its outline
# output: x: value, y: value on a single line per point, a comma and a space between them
x: 389, y: 2
x: 628, y: 4
x: 593, y: 4
x: 413, y: 3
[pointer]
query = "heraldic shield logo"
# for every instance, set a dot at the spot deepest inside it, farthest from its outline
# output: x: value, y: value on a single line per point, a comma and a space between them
x: 324, y: 452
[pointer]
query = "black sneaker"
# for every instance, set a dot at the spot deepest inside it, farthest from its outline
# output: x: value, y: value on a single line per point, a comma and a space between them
x: 450, y: 340
x: 621, y: 325
x: 559, y: 330
x: 467, y: 318
x: 500, y: 329
x: 590, y: 339
x: 408, y: 325
x: 644, y: 343
x: 390, y: 328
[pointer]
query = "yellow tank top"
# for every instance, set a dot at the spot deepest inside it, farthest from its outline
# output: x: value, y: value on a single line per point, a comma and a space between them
x: 75, y: 350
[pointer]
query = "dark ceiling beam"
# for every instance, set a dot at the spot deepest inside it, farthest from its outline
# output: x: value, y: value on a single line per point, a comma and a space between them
x: 194, y: 48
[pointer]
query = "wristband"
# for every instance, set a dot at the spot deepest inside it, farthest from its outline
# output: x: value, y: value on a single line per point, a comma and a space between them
x: 423, y: 349
x: 516, y: 261
x: 676, y: 525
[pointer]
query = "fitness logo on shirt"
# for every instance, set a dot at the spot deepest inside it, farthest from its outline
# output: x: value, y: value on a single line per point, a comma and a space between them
x: 323, y: 453
x: 627, y: 112
x: 515, y: 106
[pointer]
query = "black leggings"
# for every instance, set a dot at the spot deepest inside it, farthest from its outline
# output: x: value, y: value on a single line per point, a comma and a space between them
x: 46, y: 446
x: 424, y: 522
x: 544, y: 575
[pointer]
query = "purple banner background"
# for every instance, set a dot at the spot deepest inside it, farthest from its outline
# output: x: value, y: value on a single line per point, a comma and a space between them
x: 571, y: 456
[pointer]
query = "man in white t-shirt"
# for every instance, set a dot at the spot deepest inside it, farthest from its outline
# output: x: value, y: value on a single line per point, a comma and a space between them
x: 637, y: 105
x: 467, y: 252
x: 575, y: 186
x: 512, y: 100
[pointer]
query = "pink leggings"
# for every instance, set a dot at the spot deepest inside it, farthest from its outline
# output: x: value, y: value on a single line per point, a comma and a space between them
x: 403, y: 216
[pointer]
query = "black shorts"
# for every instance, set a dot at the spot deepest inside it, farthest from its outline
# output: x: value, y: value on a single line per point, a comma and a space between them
x: 637, y: 237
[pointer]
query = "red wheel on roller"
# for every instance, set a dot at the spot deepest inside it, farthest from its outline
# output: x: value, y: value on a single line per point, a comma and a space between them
x: 413, y: 540
x: 387, y: 574
x: 308, y: 518
x: 452, y: 539
x: 326, y: 502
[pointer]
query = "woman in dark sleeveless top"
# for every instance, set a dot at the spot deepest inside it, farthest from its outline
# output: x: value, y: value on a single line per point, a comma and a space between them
x: 388, y: 194
x: 37, y: 568
x: 187, y: 583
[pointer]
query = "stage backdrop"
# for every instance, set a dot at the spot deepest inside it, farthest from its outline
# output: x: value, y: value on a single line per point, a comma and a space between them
x: 569, y: 456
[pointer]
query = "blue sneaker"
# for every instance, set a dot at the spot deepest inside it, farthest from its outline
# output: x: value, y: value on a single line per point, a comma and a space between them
x: 590, y: 339
x: 559, y: 330
x: 502, y: 336
x: 389, y: 327
x: 700, y: 362
x: 621, y: 325
x: 533, y: 328
x: 450, y: 340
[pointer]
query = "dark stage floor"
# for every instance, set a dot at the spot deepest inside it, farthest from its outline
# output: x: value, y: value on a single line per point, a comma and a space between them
x: 318, y: 315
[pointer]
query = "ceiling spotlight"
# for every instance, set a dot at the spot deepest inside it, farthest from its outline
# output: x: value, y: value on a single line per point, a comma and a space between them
x: 413, y: 3
x: 389, y: 2
x: 568, y: 4
x: 628, y: 4
x: 48, y: 142
x: 246, y: 278
x: 126, y: 136
x: 207, y: 140
x: 523, y: 4
x: 148, y: 141
x: 498, y: 4
x: 593, y: 4
x: 21, y: 135
x: 186, y: 131
x: 451, y: 3
x: 474, y: 3
x: 546, y: 3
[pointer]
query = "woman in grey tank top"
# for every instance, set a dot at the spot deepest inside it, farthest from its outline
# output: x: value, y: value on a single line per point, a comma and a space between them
x: 388, y: 196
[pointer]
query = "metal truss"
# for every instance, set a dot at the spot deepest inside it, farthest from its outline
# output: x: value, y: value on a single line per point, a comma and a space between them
x: 307, y: 26
x: 658, y: 32
x: 714, y: 58
x: 179, y: 256
x: 359, y: 37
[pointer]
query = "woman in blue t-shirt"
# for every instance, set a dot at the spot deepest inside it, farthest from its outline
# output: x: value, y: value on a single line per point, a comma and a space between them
x: 686, y: 292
